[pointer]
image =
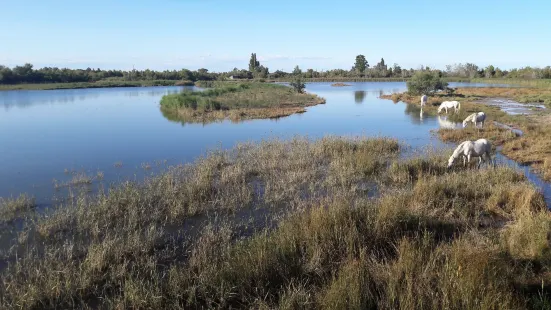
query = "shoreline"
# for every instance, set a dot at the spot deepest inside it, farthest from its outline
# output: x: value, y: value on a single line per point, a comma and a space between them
x: 149, y: 83
x: 99, y: 84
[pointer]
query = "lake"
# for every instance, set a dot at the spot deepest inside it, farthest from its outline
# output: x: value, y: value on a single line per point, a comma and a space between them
x: 120, y: 134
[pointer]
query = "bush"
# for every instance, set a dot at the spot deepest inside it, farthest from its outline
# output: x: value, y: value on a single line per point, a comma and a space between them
x: 298, y: 85
x: 425, y: 83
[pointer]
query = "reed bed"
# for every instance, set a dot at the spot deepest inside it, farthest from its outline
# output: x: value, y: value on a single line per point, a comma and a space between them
x: 236, y: 101
x: 330, y: 223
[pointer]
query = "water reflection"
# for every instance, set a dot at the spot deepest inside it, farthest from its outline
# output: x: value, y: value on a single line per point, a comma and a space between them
x: 445, y: 123
x: 414, y: 112
x: 24, y: 99
x: 359, y: 96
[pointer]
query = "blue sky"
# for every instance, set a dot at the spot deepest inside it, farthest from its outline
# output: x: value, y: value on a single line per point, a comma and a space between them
x: 221, y: 34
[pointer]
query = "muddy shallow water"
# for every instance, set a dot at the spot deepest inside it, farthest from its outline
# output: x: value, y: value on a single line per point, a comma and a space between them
x: 512, y: 107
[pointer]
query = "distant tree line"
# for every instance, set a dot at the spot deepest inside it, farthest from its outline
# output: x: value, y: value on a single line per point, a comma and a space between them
x: 361, y: 69
x: 27, y: 74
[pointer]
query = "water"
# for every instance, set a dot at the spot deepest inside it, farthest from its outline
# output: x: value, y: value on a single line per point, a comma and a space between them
x: 121, y: 134
x: 512, y: 107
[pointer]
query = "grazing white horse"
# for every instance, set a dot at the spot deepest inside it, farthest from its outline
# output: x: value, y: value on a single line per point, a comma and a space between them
x: 476, y: 118
x: 444, y: 123
x: 424, y: 100
x: 469, y: 149
x: 448, y: 105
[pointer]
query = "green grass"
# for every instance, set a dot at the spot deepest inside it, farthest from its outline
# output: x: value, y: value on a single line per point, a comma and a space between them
x: 342, y: 79
x: 98, y: 84
x: 294, y: 224
x: 539, y: 83
x: 236, y: 101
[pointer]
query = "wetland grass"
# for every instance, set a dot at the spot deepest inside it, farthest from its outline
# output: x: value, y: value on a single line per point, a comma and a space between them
x: 13, y: 208
x: 314, y: 237
x: 236, y: 101
x: 532, y: 148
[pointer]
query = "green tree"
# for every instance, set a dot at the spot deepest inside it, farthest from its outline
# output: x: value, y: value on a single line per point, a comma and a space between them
x: 262, y: 72
x: 253, y: 63
x: 297, y: 71
x: 397, y: 70
x: 489, y: 71
x: 361, y: 64
x: 424, y: 82
x: 381, y: 68
x: 297, y: 84
x: 472, y: 70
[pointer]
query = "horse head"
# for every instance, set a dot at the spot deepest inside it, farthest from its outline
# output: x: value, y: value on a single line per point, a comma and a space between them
x: 450, y: 161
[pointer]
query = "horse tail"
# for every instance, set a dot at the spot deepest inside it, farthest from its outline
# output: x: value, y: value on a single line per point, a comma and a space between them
x: 458, y: 105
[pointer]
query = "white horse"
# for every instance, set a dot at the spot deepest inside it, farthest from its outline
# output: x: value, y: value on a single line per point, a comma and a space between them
x: 476, y: 118
x: 448, y: 105
x: 469, y: 149
x: 424, y: 100
x: 444, y: 123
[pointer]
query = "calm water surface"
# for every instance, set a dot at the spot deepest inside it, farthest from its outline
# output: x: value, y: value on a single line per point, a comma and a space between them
x: 46, y: 134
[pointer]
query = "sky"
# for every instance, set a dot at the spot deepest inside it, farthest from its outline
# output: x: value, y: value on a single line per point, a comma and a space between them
x: 221, y: 34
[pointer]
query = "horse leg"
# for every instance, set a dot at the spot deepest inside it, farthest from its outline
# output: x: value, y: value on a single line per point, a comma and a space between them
x: 490, y: 159
x: 469, y: 159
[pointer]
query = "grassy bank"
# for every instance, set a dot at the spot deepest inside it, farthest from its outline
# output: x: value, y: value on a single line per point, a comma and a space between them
x: 291, y: 225
x: 532, y: 148
x: 98, y: 84
x: 236, y: 101
x: 341, y: 79
x: 538, y: 83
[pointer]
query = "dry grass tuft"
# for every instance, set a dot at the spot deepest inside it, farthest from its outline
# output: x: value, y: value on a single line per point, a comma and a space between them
x: 20, y: 207
x: 496, y: 135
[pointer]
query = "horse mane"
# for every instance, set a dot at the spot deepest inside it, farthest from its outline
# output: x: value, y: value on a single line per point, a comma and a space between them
x: 459, y: 148
x: 470, y: 118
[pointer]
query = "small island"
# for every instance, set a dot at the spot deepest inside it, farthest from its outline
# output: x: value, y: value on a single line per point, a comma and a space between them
x: 237, y: 102
x: 340, y: 85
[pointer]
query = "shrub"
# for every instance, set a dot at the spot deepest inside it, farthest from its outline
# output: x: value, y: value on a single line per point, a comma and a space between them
x: 425, y: 83
x: 298, y: 85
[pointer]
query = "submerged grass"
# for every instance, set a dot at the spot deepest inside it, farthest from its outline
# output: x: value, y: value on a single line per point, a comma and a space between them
x: 236, y: 101
x: 315, y: 237
x: 11, y: 209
